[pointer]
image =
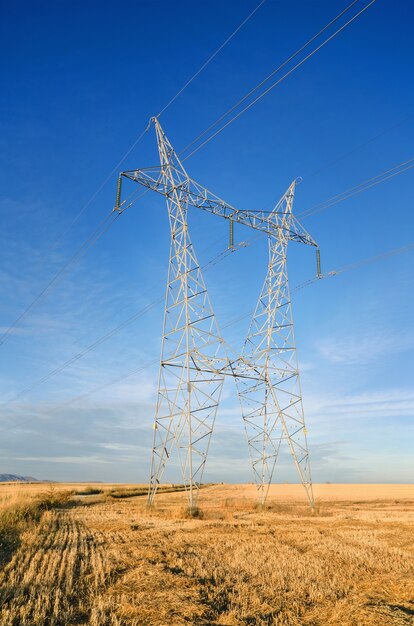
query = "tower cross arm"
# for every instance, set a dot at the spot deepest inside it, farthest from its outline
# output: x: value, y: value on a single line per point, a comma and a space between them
x: 201, y: 198
x: 298, y: 233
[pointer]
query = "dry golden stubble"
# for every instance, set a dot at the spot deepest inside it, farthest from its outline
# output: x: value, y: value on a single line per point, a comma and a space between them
x: 119, y: 563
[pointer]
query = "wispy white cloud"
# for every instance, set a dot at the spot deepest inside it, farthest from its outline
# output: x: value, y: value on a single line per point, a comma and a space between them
x: 377, y: 403
x: 363, y: 348
x: 395, y: 402
x: 119, y: 446
x: 67, y: 460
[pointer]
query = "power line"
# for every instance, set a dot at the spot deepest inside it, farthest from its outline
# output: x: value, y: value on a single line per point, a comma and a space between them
x: 83, y: 396
x: 352, y: 151
x: 244, y: 97
x: 353, y: 191
x: 252, y: 91
x: 336, y: 160
x: 337, y: 272
x: 95, y: 344
x: 335, y: 199
x: 142, y: 134
x: 341, y: 270
x: 88, y: 349
x: 108, y: 178
x: 170, y: 102
x: 357, y: 189
x: 372, y: 259
x: 273, y: 85
x: 126, y: 322
x: 75, y: 256
x: 86, y: 395
x: 211, y: 58
x: 80, y: 252
x: 103, y: 184
x: 88, y: 243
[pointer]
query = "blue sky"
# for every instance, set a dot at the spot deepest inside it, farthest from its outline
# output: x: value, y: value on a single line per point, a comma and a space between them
x: 80, y: 81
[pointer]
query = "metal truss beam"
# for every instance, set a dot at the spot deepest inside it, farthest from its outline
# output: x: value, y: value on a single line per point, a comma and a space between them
x: 199, y: 197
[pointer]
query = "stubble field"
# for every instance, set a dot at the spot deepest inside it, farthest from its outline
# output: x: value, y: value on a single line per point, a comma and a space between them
x: 104, y: 559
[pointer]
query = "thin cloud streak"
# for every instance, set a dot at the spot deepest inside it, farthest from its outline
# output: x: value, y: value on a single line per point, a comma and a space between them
x: 362, y: 349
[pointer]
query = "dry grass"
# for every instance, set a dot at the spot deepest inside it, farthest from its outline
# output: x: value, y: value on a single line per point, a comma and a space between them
x: 116, y: 563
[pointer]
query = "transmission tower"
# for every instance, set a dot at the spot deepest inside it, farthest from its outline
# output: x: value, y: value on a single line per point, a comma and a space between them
x: 193, y: 356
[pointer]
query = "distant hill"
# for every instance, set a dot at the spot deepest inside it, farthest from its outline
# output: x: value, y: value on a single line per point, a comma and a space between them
x: 14, y: 478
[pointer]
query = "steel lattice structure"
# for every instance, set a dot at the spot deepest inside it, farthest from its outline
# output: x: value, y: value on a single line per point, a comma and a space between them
x: 193, y: 356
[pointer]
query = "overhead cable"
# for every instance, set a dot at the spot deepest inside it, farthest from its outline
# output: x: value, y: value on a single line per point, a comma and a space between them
x: 372, y: 259
x: 252, y: 91
x: 366, y: 184
x: 169, y: 103
x: 95, y: 344
x: 81, y: 251
x: 90, y: 241
x: 88, y: 349
x: 115, y: 169
x: 273, y: 85
x: 349, y: 267
x: 394, y: 171
x: 368, y: 141
x: 85, y: 395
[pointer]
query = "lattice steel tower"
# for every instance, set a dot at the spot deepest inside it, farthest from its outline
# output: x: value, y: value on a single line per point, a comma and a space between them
x: 193, y: 356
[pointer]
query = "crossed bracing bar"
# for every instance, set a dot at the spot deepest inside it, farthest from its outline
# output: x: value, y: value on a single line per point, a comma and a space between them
x: 193, y: 356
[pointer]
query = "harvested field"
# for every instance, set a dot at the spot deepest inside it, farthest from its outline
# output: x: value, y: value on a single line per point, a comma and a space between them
x: 110, y: 561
